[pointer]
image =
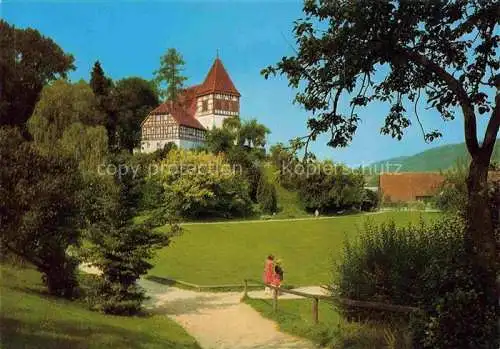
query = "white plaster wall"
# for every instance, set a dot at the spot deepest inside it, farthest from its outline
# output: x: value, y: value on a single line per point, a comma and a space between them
x: 151, y: 146
x: 208, y: 121
x: 185, y: 144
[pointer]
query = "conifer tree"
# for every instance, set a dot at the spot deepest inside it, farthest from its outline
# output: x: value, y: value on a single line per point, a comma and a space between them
x: 169, y: 78
x: 102, y: 87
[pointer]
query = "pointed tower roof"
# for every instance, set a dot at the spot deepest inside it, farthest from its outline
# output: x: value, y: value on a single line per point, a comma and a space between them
x: 217, y: 80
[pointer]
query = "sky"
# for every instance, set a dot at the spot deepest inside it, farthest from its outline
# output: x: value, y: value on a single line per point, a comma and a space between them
x: 128, y: 38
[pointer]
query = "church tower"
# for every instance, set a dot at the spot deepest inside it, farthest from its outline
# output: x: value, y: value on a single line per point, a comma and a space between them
x: 217, y: 98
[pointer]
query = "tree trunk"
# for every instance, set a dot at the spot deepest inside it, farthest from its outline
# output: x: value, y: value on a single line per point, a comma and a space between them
x: 481, y: 243
x: 480, y: 237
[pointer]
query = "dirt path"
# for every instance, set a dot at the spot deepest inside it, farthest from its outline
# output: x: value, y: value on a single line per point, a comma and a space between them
x: 219, y: 320
x: 307, y: 218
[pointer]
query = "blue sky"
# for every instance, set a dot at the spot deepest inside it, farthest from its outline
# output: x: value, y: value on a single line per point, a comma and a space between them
x: 129, y: 38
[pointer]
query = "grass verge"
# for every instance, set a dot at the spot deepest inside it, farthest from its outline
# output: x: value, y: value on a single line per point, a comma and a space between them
x: 30, y: 318
x: 332, y: 331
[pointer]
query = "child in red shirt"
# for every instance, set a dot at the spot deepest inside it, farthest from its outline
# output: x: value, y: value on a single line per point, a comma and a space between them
x: 278, y: 274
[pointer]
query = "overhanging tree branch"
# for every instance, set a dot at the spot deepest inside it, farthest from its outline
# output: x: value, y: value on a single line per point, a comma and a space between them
x: 470, y: 125
x: 492, y: 128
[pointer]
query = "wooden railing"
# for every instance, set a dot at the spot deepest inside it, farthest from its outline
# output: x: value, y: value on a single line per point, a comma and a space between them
x: 345, y: 302
x: 172, y: 282
x: 252, y: 283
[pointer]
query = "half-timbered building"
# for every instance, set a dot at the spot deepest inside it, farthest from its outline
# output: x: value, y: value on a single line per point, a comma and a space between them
x: 198, y: 108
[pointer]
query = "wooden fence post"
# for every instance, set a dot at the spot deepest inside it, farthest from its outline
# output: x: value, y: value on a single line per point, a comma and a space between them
x: 315, y: 310
x: 245, y: 292
x: 275, y: 300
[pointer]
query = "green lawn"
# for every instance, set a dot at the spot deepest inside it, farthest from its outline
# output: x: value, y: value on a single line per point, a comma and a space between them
x: 295, y: 317
x: 222, y: 253
x: 31, y: 319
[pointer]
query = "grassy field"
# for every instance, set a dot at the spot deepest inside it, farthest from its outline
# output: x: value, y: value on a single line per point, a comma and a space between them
x: 31, y: 319
x: 295, y: 317
x: 222, y: 253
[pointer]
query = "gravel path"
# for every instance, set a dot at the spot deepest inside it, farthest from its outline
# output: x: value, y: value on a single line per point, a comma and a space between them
x: 219, y: 320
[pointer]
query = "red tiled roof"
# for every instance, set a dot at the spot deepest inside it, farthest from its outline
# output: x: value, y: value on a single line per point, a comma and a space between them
x: 409, y: 186
x: 218, y: 80
x: 182, y: 110
x: 188, y: 99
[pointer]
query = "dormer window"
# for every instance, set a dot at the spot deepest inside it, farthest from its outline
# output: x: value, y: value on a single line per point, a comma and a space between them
x: 204, y: 106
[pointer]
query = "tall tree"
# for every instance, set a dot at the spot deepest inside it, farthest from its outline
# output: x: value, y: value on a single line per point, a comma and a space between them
x: 133, y: 98
x: 394, y: 52
x: 40, y: 211
x: 102, y: 87
x: 62, y: 104
x: 28, y: 61
x: 242, y: 142
x: 169, y: 78
x: 235, y: 132
x: 100, y: 84
x: 253, y: 134
x: 88, y: 145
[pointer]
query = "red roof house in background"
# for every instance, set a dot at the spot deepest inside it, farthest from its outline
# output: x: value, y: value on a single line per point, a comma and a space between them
x: 409, y: 186
x: 198, y: 108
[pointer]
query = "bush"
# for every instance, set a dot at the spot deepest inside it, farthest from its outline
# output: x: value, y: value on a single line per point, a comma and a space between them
x: 152, y: 195
x: 330, y: 187
x: 423, y: 266
x: 246, y: 161
x: 370, y: 200
x: 417, y: 205
x: 266, y: 196
x: 120, y: 249
x: 201, y: 185
x: 452, y: 195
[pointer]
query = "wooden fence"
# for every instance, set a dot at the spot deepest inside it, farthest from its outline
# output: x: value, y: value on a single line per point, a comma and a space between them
x: 172, y: 282
x: 251, y: 283
x: 334, y: 300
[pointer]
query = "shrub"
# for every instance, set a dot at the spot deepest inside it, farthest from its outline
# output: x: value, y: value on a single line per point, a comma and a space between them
x: 120, y: 249
x: 285, y: 160
x: 201, y: 185
x: 330, y: 187
x: 370, y: 200
x: 266, y: 196
x: 416, y: 205
x: 247, y: 161
x: 452, y: 195
x: 152, y: 194
x: 423, y: 266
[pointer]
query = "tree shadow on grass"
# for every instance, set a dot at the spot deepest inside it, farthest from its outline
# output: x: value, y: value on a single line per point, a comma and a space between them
x: 62, y: 335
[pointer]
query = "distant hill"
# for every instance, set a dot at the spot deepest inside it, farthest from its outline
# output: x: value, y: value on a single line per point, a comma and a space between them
x: 435, y: 159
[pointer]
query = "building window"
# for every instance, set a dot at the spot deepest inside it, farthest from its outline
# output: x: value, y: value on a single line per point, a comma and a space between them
x: 204, y: 106
x: 218, y: 104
